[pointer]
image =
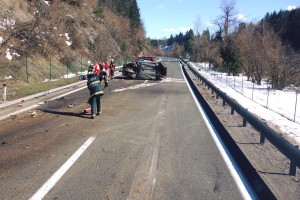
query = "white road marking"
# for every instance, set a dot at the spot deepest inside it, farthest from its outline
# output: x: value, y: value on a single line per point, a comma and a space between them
x: 38, y: 104
x: 65, y: 94
x: 38, y: 95
x: 145, y: 84
x: 18, y: 111
x: 159, y: 130
x: 145, y: 176
x: 237, y: 175
x: 49, y: 184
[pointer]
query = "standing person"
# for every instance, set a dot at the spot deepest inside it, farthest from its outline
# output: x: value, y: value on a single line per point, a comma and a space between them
x: 96, y: 93
x: 101, y: 66
x: 112, y: 68
x: 106, y: 64
x: 96, y: 68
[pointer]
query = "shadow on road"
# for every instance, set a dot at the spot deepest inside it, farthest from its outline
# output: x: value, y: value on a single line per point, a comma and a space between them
x: 82, y: 114
x: 274, y: 173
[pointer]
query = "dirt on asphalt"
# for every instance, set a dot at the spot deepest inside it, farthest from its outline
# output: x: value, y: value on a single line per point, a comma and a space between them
x: 271, y: 165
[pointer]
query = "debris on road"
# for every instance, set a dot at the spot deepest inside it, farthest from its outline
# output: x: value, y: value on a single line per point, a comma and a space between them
x: 88, y: 110
x: 33, y: 114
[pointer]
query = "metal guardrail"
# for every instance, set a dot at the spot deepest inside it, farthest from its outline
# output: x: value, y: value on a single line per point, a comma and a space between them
x: 286, y: 148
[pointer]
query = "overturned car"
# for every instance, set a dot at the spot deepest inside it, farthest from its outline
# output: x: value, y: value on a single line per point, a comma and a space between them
x: 144, y: 70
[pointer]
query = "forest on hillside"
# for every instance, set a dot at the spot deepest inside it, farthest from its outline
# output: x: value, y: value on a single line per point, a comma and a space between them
x: 126, y: 8
x: 268, y: 50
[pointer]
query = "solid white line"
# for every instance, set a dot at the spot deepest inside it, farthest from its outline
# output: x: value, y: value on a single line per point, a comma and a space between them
x: 18, y: 111
x: 242, y: 184
x: 65, y: 94
x: 38, y: 104
x: 49, y: 184
x: 37, y: 95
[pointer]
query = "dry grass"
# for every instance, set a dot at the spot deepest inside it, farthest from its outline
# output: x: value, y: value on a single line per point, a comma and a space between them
x: 42, y: 37
x: 29, y: 89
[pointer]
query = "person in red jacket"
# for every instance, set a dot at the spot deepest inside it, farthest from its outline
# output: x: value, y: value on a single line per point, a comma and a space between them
x: 106, y: 64
x: 96, y: 69
x: 101, y: 66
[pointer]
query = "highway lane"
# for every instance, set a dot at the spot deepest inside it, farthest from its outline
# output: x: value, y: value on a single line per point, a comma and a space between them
x: 149, y: 143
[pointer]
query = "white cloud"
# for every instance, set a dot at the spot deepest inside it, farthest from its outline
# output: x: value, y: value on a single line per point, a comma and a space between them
x: 291, y: 8
x: 241, y: 17
x: 184, y: 29
x: 209, y: 24
x: 174, y: 30
x: 170, y: 30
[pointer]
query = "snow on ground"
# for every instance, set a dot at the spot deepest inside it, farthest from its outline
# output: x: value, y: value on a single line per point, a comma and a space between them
x: 8, y: 55
x: 281, y: 108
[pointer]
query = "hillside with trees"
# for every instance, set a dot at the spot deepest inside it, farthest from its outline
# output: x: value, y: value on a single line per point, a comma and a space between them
x: 38, y: 36
x: 264, y: 51
x: 287, y: 25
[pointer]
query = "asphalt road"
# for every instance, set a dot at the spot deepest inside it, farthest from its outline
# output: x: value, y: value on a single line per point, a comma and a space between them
x: 150, y: 142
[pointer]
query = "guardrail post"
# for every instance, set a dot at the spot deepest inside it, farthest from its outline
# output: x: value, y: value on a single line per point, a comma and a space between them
x: 4, y: 92
x: 232, y: 111
x: 244, y: 122
x: 293, y: 168
x: 224, y: 103
x: 262, y: 139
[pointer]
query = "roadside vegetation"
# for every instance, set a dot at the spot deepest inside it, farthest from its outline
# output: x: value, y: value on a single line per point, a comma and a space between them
x: 29, y: 89
x: 267, y: 50
x: 61, y: 36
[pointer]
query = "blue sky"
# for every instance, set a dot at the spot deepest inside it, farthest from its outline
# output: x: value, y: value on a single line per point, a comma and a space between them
x: 162, y: 18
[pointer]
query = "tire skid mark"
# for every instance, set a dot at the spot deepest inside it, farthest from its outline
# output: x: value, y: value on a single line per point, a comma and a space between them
x: 145, y: 178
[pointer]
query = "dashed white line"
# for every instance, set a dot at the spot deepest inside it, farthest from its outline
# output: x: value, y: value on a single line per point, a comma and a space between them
x: 50, y: 183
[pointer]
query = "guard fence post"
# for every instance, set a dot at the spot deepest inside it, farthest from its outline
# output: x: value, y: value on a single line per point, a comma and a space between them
x: 4, y: 92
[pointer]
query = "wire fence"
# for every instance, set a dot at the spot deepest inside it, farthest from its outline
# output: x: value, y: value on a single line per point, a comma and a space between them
x: 25, y: 67
x: 34, y: 71
x: 283, y: 102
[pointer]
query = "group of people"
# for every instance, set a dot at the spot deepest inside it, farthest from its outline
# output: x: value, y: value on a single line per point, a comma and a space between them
x: 97, y: 73
x: 108, y: 67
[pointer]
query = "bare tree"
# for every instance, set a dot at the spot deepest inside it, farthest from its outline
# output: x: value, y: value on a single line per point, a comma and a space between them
x: 264, y: 56
x: 197, y: 38
x: 227, y: 20
x: 281, y: 63
x: 244, y: 41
